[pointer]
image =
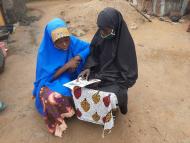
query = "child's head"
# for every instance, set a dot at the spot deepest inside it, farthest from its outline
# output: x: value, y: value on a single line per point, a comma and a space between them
x: 60, y: 37
x: 59, y: 33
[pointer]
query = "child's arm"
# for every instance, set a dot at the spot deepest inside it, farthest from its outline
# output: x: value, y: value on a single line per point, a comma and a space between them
x: 59, y: 72
x: 72, y: 64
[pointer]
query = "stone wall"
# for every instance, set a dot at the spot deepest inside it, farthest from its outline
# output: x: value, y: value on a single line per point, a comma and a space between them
x: 14, y: 10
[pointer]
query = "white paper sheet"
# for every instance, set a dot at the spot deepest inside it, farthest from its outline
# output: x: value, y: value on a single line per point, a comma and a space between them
x: 80, y: 83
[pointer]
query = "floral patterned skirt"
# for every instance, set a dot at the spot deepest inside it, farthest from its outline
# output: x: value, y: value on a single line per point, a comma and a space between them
x: 56, y: 108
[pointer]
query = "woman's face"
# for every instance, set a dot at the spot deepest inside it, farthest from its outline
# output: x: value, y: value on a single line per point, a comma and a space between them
x: 62, y: 43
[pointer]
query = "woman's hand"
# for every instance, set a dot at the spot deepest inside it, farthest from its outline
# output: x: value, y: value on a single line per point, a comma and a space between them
x: 84, y: 74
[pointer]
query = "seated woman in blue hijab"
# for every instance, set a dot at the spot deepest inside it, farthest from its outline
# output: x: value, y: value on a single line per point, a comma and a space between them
x: 61, y: 57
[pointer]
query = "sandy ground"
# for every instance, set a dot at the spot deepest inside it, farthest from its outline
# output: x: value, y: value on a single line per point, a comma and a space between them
x: 159, y: 104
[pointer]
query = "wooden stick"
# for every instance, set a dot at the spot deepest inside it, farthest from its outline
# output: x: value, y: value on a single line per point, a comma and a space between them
x: 140, y: 12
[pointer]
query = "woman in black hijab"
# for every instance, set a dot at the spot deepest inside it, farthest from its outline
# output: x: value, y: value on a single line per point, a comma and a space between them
x: 113, y: 57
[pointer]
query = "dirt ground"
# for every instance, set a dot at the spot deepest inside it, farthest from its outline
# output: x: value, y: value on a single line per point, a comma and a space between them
x: 159, y: 104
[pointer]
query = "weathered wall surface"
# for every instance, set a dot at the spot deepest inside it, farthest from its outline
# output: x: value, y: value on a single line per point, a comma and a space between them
x: 14, y: 10
x: 163, y: 7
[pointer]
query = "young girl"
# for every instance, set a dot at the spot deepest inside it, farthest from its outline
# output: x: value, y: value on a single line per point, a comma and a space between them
x: 61, y: 57
x: 113, y: 57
